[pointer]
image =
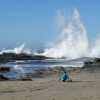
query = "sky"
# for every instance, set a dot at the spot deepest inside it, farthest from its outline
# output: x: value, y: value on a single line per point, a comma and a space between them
x: 32, y: 21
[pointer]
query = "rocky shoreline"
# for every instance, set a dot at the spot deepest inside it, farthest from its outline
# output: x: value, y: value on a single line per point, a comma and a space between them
x: 89, y: 66
x: 44, y: 84
x: 10, y: 57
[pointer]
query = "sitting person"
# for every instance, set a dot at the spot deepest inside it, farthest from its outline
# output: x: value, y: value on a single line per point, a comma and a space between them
x: 64, y: 76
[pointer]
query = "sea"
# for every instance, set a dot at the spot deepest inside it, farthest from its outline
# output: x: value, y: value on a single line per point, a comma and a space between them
x: 19, y: 68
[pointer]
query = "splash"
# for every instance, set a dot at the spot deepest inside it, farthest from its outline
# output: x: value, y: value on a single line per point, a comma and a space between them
x: 95, y: 50
x: 73, y: 40
x: 18, y: 50
x: 19, y: 68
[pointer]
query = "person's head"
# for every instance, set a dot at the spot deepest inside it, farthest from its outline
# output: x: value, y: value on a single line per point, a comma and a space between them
x: 64, y: 71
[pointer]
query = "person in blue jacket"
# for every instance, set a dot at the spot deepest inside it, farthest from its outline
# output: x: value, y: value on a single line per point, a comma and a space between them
x: 64, y: 76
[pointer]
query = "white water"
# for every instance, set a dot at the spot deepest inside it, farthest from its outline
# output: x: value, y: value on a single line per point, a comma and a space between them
x: 17, y: 50
x: 73, y: 39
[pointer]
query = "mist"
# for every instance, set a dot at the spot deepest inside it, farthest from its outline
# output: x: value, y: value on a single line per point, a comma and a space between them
x: 72, y: 38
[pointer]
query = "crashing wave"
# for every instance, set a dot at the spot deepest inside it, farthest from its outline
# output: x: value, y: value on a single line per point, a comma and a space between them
x: 18, y: 50
x: 73, y: 39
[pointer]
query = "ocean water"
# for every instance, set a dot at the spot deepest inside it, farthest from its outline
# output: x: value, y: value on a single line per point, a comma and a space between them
x: 21, y: 67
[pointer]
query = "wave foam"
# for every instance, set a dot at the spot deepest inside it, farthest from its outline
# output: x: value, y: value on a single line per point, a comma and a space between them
x: 73, y: 40
x: 17, y: 50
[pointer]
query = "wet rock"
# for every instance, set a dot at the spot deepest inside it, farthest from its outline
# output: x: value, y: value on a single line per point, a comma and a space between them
x: 2, y: 78
x: 40, y: 73
x: 4, y: 69
x: 8, y: 57
x: 93, y: 66
x: 96, y: 60
x: 58, y: 69
x: 24, y: 78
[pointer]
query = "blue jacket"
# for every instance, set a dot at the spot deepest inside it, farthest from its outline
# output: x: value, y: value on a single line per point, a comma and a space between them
x: 63, y: 76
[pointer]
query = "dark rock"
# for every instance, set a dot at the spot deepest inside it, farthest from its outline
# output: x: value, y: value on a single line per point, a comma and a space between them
x: 93, y: 66
x: 2, y: 78
x: 96, y: 60
x: 88, y: 62
x: 4, y: 69
x: 8, y: 57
